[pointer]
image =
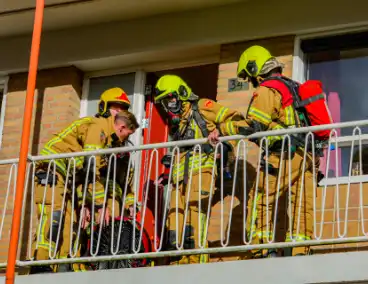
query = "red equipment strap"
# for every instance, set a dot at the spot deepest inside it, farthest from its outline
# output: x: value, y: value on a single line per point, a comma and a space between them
x: 280, y: 85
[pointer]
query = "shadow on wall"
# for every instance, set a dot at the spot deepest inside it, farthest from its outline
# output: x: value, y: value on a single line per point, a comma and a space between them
x: 218, y: 234
x: 236, y: 225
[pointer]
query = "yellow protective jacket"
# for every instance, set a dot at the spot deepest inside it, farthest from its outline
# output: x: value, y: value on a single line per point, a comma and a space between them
x: 265, y: 112
x: 85, y: 134
x: 215, y: 116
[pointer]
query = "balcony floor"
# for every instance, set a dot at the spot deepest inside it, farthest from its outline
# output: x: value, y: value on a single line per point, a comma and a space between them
x: 328, y: 268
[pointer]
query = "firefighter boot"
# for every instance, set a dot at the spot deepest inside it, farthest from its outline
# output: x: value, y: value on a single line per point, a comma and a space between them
x: 41, y: 269
x: 264, y: 253
x: 300, y: 251
x: 297, y: 251
x: 171, y: 245
x: 190, y: 243
x: 64, y: 268
x: 271, y: 253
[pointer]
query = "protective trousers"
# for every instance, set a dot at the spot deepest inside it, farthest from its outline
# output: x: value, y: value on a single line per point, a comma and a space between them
x: 291, y: 175
x: 194, y: 217
x: 54, y: 233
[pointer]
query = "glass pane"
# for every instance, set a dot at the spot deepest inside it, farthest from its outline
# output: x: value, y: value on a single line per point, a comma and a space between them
x: 99, y: 85
x: 344, y: 156
x: 345, y: 87
x: 343, y: 74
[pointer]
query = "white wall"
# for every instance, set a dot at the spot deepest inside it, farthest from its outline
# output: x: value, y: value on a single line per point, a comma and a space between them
x: 254, y: 19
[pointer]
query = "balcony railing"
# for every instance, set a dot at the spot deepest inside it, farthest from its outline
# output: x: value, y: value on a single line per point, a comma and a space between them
x: 227, y: 222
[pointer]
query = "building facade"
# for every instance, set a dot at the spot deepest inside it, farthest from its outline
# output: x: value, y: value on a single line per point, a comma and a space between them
x: 79, y: 60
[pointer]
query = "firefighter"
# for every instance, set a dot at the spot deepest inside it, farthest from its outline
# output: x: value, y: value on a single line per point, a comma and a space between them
x: 196, y: 118
x: 266, y: 112
x: 85, y: 134
x: 111, y: 102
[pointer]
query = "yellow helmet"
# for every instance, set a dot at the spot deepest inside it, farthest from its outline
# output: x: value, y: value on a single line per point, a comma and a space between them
x: 252, y: 61
x: 129, y: 201
x: 113, y: 95
x: 173, y: 85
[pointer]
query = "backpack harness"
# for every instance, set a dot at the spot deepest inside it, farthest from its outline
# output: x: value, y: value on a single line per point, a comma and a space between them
x: 188, y: 133
x: 309, y: 104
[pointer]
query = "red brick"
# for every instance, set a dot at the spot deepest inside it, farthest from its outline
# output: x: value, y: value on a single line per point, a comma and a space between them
x: 56, y: 105
x: 47, y: 125
x: 62, y: 117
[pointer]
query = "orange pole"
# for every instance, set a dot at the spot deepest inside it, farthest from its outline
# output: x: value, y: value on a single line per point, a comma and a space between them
x: 31, y: 84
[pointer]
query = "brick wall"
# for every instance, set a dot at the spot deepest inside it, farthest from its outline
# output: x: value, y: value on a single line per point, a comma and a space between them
x: 345, y: 215
x: 56, y: 104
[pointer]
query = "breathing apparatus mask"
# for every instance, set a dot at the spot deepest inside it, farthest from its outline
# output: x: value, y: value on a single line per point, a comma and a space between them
x: 171, y: 104
x: 175, y: 96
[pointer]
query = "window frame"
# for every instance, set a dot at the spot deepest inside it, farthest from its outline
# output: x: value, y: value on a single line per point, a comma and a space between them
x: 299, y: 73
x: 4, y: 87
x: 106, y: 73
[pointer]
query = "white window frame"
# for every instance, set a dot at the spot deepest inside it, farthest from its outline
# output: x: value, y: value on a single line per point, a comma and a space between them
x: 138, y: 96
x: 4, y: 87
x: 138, y: 108
x: 97, y: 74
x: 299, y: 74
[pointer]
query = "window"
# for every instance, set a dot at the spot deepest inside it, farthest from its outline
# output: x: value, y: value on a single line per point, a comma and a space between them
x: 97, y: 86
x: 1, y: 95
x: 133, y: 84
x: 3, y: 87
x: 341, y: 63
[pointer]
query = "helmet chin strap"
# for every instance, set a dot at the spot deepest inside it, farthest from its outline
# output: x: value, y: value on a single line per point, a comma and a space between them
x: 256, y: 81
x: 106, y: 114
